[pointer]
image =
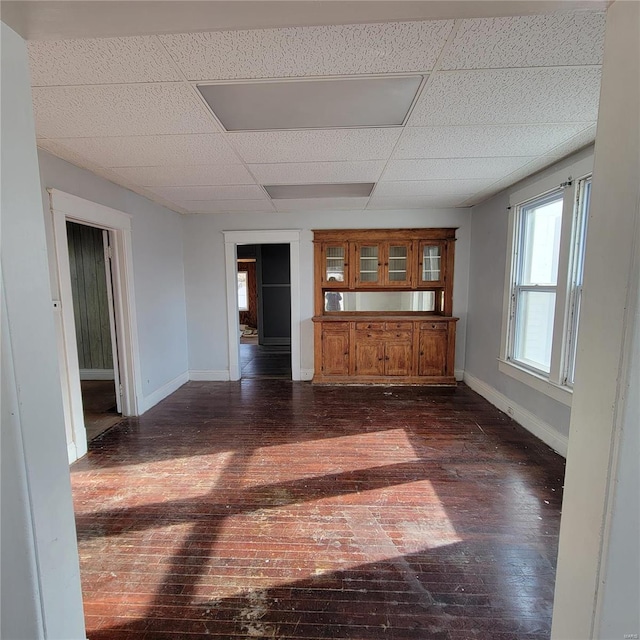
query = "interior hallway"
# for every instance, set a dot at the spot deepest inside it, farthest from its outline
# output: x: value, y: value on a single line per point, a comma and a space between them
x: 272, y: 509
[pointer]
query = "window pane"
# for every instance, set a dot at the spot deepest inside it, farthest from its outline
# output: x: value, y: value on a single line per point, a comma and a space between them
x: 334, y: 268
x: 398, y: 263
x: 243, y: 294
x: 431, y: 264
x: 534, y: 328
x: 541, y: 224
x: 369, y: 264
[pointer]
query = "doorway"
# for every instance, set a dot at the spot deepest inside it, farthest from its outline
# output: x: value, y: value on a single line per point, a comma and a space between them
x: 232, y: 239
x: 92, y: 293
x: 111, y: 231
x: 264, y: 305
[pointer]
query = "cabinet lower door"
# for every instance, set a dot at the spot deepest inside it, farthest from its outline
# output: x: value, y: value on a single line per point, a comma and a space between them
x: 432, y: 358
x: 369, y: 358
x: 335, y: 351
x: 398, y: 358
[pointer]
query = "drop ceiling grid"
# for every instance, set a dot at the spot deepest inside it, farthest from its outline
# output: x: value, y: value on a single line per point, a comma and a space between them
x: 442, y: 121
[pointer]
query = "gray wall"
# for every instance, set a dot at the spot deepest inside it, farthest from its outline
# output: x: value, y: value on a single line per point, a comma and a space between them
x: 89, y: 291
x: 488, y: 259
x: 158, y: 266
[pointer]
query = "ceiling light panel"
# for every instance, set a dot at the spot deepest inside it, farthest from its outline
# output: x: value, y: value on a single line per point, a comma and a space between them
x: 187, y: 175
x: 229, y: 192
x: 452, y: 168
x: 154, y: 151
x: 523, y: 41
x: 309, y: 172
x: 393, y: 47
x: 312, y: 104
x: 321, y: 204
x: 314, y: 146
x: 99, y: 61
x: 299, y: 191
x: 119, y: 110
x: 483, y: 141
x: 509, y: 96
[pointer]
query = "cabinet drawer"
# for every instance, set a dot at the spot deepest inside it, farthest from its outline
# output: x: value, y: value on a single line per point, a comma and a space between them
x: 398, y: 335
x: 367, y: 326
x: 434, y: 326
x: 401, y: 326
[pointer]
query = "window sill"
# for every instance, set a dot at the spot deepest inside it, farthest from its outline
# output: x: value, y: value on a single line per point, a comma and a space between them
x: 555, y: 391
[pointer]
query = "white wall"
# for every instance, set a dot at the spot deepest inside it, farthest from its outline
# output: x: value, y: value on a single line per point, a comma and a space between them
x: 158, y: 268
x: 205, y: 275
x: 488, y: 260
x: 597, y: 582
x: 41, y: 596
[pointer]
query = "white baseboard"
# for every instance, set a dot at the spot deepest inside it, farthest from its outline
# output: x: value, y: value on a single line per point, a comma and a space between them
x: 522, y: 416
x: 160, y: 394
x: 306, y: 374
x: 96, y: 374
x: 459, y: 374
x: 209, y: 375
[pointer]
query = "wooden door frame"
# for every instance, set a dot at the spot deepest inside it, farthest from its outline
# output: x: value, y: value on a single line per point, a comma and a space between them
x: 66, y: 207
x: 271, y: 236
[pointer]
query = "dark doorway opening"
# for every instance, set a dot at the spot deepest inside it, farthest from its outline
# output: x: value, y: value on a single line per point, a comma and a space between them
x: 264, y: 302
x: 92, y: 292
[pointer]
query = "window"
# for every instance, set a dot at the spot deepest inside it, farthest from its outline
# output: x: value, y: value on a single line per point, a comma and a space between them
x: 536, y: 277
x: 583, y: 200
x: 243, y: 291
x: 543, y: 293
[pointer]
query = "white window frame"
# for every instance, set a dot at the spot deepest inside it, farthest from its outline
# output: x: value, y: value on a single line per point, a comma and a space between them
x: 576, y: 266
x: 553, y: 384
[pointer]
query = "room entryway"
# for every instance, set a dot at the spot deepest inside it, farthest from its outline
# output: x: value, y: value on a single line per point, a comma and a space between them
x: 95, y: 326
x: 264, y: 310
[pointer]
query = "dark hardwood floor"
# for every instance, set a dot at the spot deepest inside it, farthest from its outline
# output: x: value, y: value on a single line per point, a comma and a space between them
x: 99, y: 406
x: 258, y: 361
x: 272, y: 509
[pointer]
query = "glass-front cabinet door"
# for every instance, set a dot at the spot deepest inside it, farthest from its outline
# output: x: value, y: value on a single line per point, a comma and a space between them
x: 335, y: 264
x: 431, y: 264
x: 397, y: 264
x: 368, y: 264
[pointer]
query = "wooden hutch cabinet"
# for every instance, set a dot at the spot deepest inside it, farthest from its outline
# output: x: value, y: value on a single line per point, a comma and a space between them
x: 383, y: 306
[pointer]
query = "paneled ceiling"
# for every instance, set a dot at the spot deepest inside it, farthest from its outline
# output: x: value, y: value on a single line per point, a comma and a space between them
x: 501, y: 99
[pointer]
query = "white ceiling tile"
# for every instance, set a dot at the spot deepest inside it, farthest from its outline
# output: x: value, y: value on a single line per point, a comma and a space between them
x: 478, y: 141
x: 582, y: 139
x: 119, y: 110
x: 312, y: 172
x: 568, y: 38
x: 321, y: 204
x: 60, y: 151
x: 152, y: 151
x: 429, y: 188
x: 99, y: 61
x: 265, y: 147
x: 452, y: 168
x: 187, y: 175
x: 509, y: 96
x: 309, y: 51
x: 227, y: 206
x: 228, y: 192
x: 424, y: 202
